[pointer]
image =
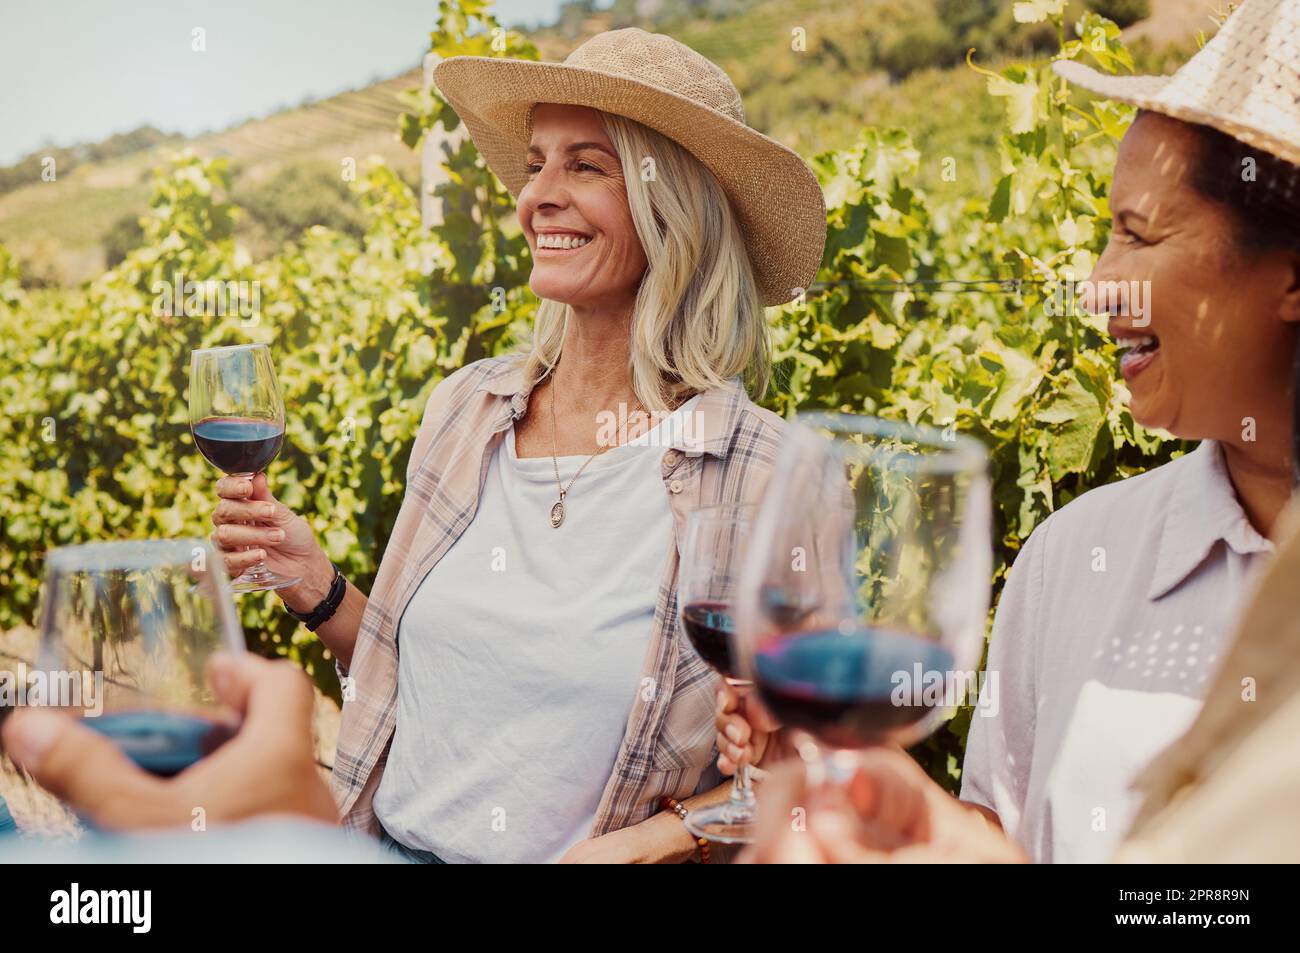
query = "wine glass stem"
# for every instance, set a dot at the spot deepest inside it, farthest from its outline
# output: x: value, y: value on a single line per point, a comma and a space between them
x: 258, y: 572
x: 841, y: 766
x: 825, y: 765
x: 742, y: 788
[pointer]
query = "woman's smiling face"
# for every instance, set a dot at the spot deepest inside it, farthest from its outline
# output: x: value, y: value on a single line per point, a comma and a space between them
x: 575, y: 215
x: 1209, y: 343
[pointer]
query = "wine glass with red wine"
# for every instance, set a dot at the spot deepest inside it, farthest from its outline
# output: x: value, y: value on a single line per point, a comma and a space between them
x: 707, y: 579
x: 237, y: 418
x: 126, y: 632
x: 883, y: 532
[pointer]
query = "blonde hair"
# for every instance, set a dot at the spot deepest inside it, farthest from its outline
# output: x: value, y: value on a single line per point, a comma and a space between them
x: 698, y: 318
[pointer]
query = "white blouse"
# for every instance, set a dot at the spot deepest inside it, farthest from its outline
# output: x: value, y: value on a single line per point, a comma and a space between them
x: 1112, y: 620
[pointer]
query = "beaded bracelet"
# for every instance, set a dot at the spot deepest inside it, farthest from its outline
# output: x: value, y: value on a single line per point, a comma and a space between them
x: 672, y: 804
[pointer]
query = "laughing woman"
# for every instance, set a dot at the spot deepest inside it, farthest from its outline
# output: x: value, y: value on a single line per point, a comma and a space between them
x: 1114, y: 616
x: 1102, y: 670
x: 518, y: 691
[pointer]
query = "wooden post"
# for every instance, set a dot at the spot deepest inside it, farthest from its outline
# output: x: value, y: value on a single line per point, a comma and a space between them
x: 438, y: 145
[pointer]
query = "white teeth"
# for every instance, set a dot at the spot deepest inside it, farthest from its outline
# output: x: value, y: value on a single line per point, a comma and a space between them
x: 1146, y: 341
x: 561, y: 241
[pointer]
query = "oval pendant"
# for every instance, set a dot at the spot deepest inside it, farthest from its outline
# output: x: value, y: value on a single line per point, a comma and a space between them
x: 557, y: 513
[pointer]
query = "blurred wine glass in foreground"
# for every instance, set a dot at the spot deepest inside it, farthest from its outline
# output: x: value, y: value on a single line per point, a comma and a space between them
x: 126, y: 632
x: 880, y: 534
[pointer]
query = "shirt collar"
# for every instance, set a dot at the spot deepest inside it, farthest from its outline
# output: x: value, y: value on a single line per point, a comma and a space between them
x: 718, y: 410
x: 1203, y: 509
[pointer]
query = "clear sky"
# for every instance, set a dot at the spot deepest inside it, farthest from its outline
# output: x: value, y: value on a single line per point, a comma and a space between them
x: 80, y: 70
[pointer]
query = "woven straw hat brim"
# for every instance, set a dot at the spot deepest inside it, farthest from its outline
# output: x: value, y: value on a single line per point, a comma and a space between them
x: 1245, y: 82
x: 775, y: 194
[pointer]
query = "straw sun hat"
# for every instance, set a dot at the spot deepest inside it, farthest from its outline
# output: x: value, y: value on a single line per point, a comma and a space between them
x: 665, y: 85
x: 1245, y: 82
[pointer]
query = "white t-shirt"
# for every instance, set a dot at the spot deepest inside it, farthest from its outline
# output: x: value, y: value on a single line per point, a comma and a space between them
x: 1113, y: 619
x: 520, y: 655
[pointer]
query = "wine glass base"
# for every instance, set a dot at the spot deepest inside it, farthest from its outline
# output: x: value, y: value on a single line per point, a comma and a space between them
x: 265, y: 583
x: 725, y: 823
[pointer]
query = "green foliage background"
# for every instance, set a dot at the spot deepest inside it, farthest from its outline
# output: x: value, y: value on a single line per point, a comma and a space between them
x: 93, y: 381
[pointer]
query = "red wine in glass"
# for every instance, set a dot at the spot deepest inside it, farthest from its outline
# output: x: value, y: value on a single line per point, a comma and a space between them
x: 237, y: 418
x: 851, y: 690
x: 236, y: 445
x: 164, y: 743
x: 709, y: 626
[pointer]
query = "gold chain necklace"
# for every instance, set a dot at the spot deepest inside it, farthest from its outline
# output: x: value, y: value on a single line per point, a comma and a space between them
x: 557, y: 511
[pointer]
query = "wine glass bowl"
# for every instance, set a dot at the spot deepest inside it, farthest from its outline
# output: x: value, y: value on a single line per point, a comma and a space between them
x: 126, y: 633
x: 866, y: 590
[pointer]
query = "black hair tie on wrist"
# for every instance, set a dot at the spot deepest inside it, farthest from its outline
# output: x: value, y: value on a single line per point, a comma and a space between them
x: 326, y: 608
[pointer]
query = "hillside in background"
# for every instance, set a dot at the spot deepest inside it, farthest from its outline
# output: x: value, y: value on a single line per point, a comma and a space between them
x: 874, y: 62
x: 59, y: 228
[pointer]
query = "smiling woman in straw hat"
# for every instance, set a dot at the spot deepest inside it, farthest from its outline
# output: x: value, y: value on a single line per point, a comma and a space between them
x: 1114, y: 618
x: 517, y: 690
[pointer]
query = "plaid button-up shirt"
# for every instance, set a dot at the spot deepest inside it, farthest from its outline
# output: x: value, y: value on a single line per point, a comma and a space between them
x: 668, y: 743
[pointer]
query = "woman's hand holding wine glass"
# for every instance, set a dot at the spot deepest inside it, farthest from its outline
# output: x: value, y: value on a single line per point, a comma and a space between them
x: 267, y: 767
x: 237, y: 416
x: 746, y: 732
x: 888, y: 811
x: 253, y: 527
x: 237, y: 419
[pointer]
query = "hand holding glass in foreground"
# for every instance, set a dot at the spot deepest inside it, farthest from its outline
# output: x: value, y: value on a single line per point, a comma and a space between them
x: 268, y: 767
x: 889, y: 811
